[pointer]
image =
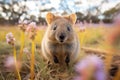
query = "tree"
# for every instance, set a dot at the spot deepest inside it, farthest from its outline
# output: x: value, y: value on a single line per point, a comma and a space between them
x: 80, y: 16
x: 12, y: 11
x: 111, y: 12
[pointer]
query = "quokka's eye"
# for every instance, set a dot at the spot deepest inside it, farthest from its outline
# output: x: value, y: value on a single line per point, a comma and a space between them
x: 68, y: 28
x: 54, y: 27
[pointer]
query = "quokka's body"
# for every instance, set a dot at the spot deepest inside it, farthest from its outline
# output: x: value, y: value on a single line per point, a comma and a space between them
x: 60, y: 43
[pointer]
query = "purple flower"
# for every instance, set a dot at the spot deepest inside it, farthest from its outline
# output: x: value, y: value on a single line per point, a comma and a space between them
x: 9, y: 64
x: 90, y: 67
x: 117, y: 19
x: 78, y: 78
x: 25, y: 22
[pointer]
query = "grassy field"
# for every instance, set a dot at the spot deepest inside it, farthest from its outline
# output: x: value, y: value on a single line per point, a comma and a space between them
x: 92, y: 38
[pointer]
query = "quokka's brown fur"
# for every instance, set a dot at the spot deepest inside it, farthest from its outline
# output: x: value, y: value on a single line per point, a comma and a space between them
x: 60, y: 43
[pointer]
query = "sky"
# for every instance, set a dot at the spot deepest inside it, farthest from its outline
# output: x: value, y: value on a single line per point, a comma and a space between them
x: 34, y: 6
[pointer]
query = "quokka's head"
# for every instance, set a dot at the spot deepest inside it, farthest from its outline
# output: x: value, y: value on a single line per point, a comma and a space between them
x: 60, y: 28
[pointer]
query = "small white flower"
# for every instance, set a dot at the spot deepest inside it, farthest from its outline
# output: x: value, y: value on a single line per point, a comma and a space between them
x: 26, y: 51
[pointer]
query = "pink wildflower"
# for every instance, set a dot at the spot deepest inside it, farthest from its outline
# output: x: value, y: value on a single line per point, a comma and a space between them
x: 10, y: 38
x: 32, y: 30
x: 23, y: 25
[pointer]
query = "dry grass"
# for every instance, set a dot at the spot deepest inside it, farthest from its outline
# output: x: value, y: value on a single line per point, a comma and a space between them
x: 92, y: 37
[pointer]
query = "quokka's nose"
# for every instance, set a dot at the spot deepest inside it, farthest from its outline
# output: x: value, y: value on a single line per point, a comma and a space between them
x: 62, y: 37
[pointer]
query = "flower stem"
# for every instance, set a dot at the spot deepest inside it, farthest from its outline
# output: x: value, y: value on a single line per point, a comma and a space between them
x: 16, y: 66
x: 32, y: 60
x: 22, y: 45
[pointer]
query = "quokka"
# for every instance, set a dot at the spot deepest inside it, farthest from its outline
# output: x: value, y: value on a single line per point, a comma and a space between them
x: 60, y: 43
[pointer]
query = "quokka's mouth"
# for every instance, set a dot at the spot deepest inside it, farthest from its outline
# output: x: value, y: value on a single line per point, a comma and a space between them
x: 61, y: 41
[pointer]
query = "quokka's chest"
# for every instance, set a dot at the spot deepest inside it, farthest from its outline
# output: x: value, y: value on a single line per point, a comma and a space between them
x: 55, y: 48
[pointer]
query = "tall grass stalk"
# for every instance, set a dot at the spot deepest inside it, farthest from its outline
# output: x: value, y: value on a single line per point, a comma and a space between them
x: 16, y: 66
x: 32, y: 60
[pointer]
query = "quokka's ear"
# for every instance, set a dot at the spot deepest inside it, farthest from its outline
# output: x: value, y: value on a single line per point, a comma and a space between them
x: 50, y: 17
x: 72, y: 18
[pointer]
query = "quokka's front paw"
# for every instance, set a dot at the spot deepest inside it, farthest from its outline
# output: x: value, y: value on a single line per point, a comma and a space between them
x: 67, y: 60
x: 55, y: 59
x: 48, y: 64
